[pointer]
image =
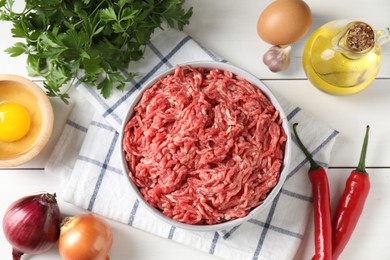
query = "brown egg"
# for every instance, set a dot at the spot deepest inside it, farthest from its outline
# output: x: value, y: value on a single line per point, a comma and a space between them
x: 284, y: 22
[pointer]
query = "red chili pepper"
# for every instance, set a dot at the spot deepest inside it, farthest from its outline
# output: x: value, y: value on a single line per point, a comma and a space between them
x: 321, y: 206
x: 351, y: 204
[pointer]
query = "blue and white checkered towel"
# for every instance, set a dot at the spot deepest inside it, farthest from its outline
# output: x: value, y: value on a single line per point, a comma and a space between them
x: 87, y: 158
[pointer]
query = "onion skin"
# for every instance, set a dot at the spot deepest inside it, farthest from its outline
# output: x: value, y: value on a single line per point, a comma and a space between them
x: 85, y: 237
x: 32, y: 224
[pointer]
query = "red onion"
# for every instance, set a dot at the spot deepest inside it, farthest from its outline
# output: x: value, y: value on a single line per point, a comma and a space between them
x: 32, y: 224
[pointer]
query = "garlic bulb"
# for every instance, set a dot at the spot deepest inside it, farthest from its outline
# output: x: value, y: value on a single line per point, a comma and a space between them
x: 277, y: 58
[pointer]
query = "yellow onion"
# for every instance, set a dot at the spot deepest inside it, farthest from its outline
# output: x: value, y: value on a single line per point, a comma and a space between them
x: 85, y: 237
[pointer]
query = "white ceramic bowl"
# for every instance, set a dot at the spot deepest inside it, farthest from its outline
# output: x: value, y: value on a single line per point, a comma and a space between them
x: 270, y: 197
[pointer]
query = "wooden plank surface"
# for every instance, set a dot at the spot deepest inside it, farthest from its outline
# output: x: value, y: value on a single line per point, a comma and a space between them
x: 228, y: 27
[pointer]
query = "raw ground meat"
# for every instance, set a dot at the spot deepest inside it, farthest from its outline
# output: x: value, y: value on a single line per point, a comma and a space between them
x: 204, y: 146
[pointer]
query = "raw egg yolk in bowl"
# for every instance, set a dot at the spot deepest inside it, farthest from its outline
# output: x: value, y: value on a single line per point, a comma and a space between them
x: 14, y: 122
x: 26, y: 120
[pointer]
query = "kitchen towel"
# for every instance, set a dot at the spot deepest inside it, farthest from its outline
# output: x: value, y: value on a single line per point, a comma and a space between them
x: 88, y: 162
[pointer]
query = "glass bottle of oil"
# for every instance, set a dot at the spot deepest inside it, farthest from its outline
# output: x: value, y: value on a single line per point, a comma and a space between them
x: 343, y: 57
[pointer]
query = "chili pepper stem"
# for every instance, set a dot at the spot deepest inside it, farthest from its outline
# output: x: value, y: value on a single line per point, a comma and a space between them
x: 313, y: 164
x: 362, y: 161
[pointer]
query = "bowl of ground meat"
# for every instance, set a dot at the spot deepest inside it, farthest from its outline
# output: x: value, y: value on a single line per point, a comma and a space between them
x: 205, y: 146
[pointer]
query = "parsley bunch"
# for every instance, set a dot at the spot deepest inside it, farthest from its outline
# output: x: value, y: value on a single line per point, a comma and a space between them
x: 96, y: 37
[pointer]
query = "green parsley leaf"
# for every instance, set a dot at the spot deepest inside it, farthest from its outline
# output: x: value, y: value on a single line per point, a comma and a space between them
x: 18, y: 49
x: 113, y: 79
x: 108, y: 14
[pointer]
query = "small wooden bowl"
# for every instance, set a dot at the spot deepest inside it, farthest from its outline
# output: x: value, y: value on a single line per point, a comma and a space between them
x: 23, y: 91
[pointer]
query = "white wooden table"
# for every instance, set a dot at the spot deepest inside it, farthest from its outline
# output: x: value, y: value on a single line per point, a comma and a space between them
x: 228, y: 27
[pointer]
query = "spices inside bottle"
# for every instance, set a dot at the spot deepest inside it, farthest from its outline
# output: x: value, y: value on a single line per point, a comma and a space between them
x: 360, y: 37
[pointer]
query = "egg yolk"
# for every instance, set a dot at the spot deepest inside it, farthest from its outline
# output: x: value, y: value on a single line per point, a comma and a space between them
x: 14, y: 122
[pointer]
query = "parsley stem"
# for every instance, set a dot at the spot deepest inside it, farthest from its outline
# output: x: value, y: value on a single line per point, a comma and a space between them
x: 98, y: 7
